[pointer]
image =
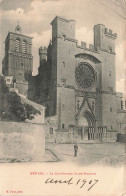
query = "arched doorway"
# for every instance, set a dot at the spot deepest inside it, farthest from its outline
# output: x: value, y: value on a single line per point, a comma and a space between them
x: 87, y: 122
x: 90, y: 118
x: 83, y: 122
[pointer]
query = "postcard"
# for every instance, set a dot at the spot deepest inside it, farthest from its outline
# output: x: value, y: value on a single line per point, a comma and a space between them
x: 63, y: 98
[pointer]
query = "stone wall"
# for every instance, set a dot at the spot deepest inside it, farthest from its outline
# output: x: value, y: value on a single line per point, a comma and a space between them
x: 21, y: 141
x: 79, y: 135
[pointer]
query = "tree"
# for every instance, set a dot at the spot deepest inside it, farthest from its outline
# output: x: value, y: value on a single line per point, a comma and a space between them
x: 11, y: 107
x: 16, y: 107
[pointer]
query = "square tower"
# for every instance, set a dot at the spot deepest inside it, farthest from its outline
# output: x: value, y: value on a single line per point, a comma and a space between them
x: 104, y: 41
x: 18, y: 60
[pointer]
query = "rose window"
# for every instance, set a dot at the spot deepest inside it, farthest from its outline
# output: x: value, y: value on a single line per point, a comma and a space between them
x: 85, y: 76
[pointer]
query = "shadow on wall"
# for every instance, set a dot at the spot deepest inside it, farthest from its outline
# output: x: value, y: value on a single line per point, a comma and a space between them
x: 22, y: 141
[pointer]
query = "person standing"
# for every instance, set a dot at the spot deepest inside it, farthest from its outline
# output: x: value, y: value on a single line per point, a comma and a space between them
x: 75, y: 150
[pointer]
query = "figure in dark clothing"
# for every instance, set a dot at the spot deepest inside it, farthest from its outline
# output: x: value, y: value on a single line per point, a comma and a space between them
x: 75, y: 150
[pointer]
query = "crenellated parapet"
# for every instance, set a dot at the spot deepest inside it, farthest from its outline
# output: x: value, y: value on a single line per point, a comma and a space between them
x: 42, y: 50
x: 104, y: 38
x: 84, y: 46
x: 43, y: 53
x: 90, y: 48
x: 109, y: 33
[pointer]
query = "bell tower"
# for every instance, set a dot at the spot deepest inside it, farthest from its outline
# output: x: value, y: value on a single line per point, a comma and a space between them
x: 18, y: 60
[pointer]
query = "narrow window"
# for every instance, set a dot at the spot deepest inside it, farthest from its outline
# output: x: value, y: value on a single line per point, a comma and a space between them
x: 17, y: 45
x: 78, y: 105
x: 64, y: 64
x: 110, y: 109
x: 93, y: 106
x: 14, y: 81
x: 121, y: 104
x: 47, y: 110
x: 22, y: 66
x: 20, y: 76
x: 105, y: 30
x: 63, y: 126
x: 111, y: 89
x: 24, y: 46
x: 64, y: 37
x: 110, y: 73
x: 51, y: 130
x: 110, y: 49
x: 63, y: 82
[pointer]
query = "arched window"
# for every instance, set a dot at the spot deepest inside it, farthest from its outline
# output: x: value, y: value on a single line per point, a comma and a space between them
x: 47, y: 110
x: 78, y: 105
x: 20, y: 76
x: 24, y: 46
x: 22, y: 66
x: 93, y: 106
x: 17, y: 45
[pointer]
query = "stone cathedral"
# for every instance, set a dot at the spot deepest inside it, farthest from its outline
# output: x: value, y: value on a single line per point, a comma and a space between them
x: 76, y: 83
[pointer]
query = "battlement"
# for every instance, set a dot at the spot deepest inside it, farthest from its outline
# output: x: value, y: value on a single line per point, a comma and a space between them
x: 91, y: 48
x: 43, y: 53
x: 109, y: 33
x: 104, y: 38
x: 43, y: 49
x: 84, y: 46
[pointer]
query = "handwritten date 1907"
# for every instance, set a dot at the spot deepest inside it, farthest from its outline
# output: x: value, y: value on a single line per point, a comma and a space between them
x: 79, y: 182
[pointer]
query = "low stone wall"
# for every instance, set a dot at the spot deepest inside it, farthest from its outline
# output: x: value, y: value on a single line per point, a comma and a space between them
x: 69, y: 137
x: 64, y: 137
x: 21, y: 141
x: 111, y: 137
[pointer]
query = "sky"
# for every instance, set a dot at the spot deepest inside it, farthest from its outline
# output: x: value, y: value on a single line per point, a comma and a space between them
x: 35, y: 16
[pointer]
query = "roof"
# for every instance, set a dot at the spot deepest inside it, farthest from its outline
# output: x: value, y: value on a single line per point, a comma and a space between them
x: 18, y: 35
x: 61, y: 18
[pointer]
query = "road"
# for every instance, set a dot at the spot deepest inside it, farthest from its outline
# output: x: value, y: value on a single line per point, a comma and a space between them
x: 90, y: 154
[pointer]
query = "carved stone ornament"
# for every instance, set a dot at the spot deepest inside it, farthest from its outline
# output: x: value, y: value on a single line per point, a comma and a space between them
x: 84, y: 75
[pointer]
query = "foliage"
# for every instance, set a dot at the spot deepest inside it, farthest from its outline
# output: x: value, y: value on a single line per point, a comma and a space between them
x: 16, y: 107
x: 11, y: 108
x: 3, y: 87
x: 30, y: 111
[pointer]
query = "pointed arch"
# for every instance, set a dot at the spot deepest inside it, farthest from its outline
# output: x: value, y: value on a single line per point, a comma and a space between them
x: 17, y: 44
x: 90, y: 118
x: 24, y: 44
x: 88, y: 56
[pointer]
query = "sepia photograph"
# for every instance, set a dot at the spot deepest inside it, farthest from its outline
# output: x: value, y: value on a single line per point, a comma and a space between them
x: 63, y: 97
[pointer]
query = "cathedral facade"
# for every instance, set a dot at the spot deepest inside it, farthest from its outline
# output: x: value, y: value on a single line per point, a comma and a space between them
x: 78, y: 83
